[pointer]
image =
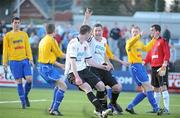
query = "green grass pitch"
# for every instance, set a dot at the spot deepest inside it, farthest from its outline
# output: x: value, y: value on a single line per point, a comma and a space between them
x: 74, y: 105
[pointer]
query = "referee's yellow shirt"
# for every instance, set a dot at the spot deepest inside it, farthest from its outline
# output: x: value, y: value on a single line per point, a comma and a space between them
x: 49, y: 50
x: 16, y: 47
x: 134, y: 48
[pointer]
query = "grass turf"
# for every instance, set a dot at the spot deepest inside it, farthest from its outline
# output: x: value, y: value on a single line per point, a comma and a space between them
x: 74, y: 105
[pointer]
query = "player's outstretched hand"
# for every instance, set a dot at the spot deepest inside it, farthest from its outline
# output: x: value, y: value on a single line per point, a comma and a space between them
x: 88, y: 13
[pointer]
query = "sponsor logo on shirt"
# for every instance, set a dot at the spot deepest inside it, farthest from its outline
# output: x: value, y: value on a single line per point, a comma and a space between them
x: 19, y: 47
x: 154, y: 56
x: 18, y: 41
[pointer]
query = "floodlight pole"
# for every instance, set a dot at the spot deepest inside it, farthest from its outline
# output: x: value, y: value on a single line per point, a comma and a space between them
x: 18, y: 8
x: 156, y: 6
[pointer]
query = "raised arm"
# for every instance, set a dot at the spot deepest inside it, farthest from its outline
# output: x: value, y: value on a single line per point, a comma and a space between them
x: 87, y: 16
x: 133, y: 40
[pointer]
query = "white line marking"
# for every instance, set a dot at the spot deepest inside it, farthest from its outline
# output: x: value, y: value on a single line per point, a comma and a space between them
x: 5, y: 102
x: 76, y: 102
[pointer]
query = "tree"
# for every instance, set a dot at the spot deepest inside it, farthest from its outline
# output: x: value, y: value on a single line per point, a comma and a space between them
x: 108, y: 7
x: 149, y: 5
x: 122, y: 7
x: 5, y: 2
x: 175, y: 7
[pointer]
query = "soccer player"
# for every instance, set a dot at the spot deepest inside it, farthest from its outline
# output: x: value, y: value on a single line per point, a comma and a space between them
x: 134, y: 48
x: 48, y: 53
x: 77, y: 56
x: 159, y: 57
x: 17, y: 50
x: 98, y: 47
x: 98, y: 50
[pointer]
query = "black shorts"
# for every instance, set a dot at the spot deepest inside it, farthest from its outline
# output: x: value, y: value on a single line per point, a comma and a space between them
x: 86, y: 76
x: 105, y: 76
x: 157, y: 80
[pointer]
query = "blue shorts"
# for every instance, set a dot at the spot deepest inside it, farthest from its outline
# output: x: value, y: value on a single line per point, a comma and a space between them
x: 20, y: 69
x: 139, y: 73
x: 49, y: 73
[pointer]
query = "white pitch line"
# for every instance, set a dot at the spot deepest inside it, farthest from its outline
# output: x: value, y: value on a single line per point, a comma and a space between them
x: 5, y: 102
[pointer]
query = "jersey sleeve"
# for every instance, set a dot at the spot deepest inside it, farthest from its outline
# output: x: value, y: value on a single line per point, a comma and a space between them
x: 166, y: 51
x: 88, y: 52
x: 57, y: 50
x: 109, y: 53
x: 72, y: 50
x: 149, y: 45
x: 28, y: 47
x: 132, y: 41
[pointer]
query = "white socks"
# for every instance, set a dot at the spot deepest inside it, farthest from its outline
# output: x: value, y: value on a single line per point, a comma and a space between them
x: 157, y: 96
x: 165, y: 95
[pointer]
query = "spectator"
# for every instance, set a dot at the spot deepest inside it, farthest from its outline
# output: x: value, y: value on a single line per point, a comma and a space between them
x: 65, y: 42
x: 30, y: 29
x: 115, y: 34
x: 172, y: 58
x: 167, y: 34
x: 105, y: 32
x: 41, y: 32
x: 58, y: 37
x: 34, y: 41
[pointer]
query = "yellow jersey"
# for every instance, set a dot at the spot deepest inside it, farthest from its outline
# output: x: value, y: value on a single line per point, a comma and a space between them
x: 49, y: 50
x: 134, y: 48
x: 16, y: 47
x: 109, y: 53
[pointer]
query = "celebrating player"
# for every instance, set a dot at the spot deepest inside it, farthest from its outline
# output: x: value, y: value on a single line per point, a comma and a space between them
x: 134, y: 48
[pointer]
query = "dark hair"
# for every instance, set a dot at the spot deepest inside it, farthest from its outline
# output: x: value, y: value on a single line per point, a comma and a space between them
x: 98, y: 25
x: 156, y: 27
x: 15, y: 18
x: 85, y: 29
x: 50, y: 28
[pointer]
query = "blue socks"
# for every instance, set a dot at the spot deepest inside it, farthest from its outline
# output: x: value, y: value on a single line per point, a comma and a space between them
x: 141, y: 96
x: 55, y: 90
x: 21, y: 93
x: 58, y: 98
x: 137, y: 100
x: 27, y: 88
x: 152, y: 101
